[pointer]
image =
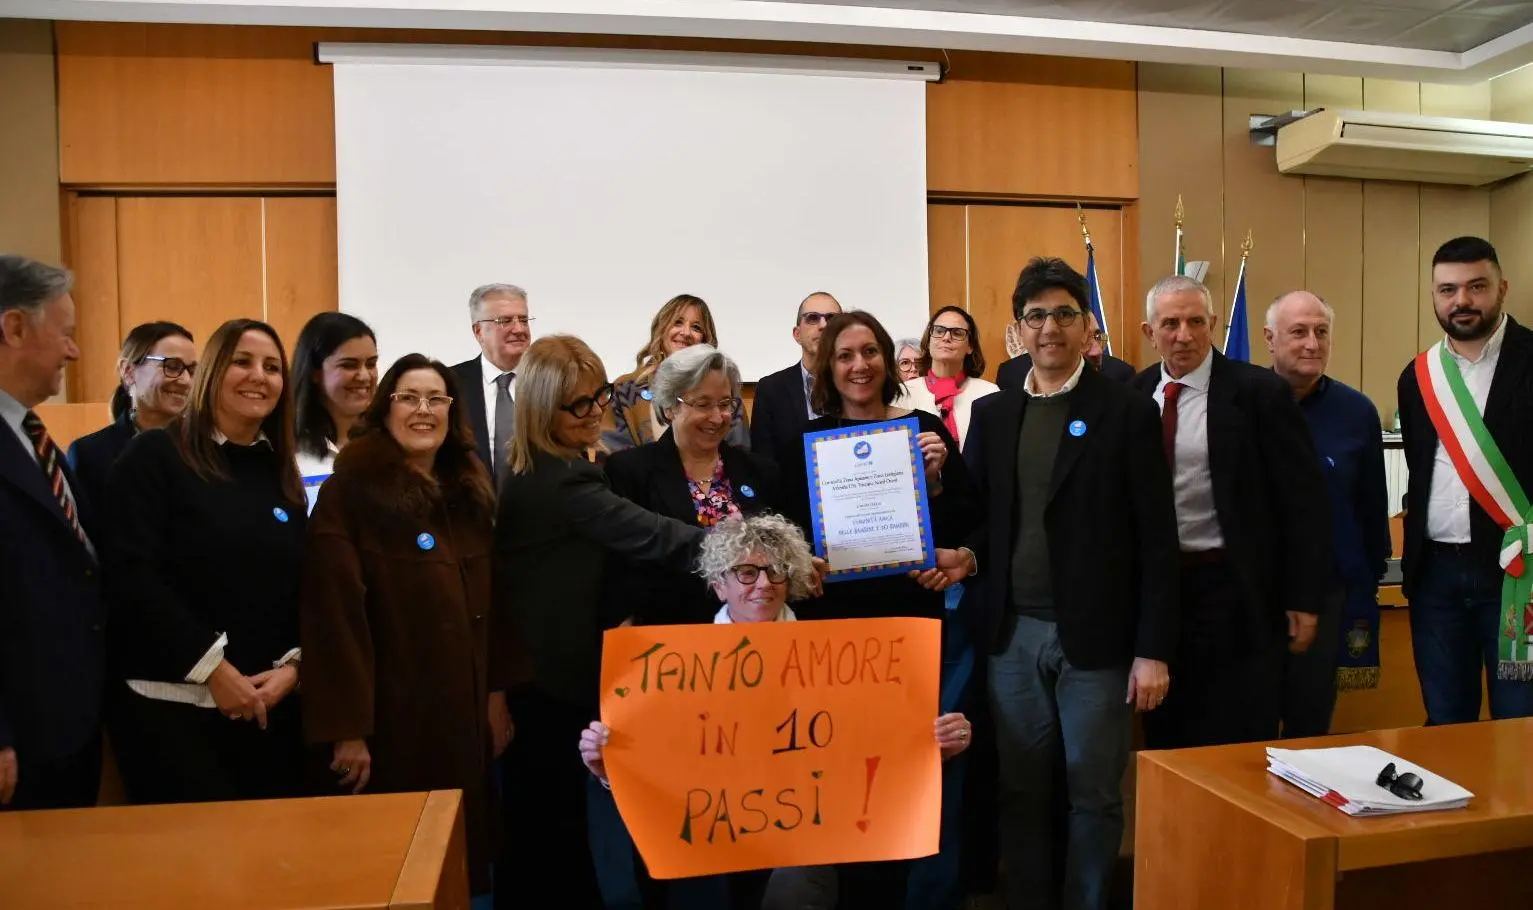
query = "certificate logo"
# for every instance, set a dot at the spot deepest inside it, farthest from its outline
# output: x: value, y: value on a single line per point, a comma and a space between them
x: 862, y: 449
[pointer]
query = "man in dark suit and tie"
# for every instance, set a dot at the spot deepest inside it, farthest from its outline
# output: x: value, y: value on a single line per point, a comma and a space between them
x: 52, y: 647
x: 1079, y: 618
x: 1014, y: 371
x: 498, y: 315
x: 781, y: 406
x: 1253, y: 526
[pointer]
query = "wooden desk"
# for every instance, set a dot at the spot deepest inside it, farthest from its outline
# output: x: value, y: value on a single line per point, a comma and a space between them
x: 386, y: 852
x: 1214, y: 830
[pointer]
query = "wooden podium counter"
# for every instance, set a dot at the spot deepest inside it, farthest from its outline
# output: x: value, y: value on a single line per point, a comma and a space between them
x: 386, y: 852
x: 1214, y: 830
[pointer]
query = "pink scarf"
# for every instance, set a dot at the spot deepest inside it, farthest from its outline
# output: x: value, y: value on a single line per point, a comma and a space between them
x: 946, y: 392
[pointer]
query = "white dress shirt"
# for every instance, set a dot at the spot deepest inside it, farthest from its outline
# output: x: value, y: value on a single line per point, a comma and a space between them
x: 1197, y: 519
x: 1448, y: 501
x: 489, y: 372
x: 722, y: 617
x: 1029, y: 385
x: 315, y: 471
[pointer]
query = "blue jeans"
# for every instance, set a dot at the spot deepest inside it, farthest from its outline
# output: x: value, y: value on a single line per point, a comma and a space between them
x: 934, y: 880
x: 1037, y: 700
x: 1455, y: 617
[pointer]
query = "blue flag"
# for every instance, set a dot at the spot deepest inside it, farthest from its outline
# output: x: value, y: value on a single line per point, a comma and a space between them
x: 1237, y: 335
x: 1094, y: 294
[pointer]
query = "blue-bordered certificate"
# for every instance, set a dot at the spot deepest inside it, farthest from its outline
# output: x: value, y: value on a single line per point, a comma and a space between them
x: 867, y: 499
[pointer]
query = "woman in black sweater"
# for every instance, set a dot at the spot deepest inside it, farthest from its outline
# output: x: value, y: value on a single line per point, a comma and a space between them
x: 207, y: 520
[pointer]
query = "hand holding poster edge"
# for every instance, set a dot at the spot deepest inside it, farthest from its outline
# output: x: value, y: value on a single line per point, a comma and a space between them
x: 709, y: 779
x: 827, y: 514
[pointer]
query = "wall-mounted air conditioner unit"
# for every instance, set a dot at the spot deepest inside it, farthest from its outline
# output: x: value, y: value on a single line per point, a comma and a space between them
x: 1372, y: 145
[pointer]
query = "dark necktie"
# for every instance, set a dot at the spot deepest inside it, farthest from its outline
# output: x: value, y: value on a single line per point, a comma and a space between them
x: 1173, y: 391
x: 505, y: 418
x: 48, y: 458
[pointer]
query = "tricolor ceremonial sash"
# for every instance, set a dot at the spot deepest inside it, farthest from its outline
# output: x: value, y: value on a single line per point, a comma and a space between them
x: 1490, y: 481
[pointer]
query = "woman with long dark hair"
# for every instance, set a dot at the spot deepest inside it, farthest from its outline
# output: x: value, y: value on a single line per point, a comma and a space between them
x: 335, y: 370
x: 154, y: 379
x: 406, y: 658
x: 206, y: 522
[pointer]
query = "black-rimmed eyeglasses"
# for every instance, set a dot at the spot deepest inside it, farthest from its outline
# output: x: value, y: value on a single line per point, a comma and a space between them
x: 747, y: 573
x: 172, y: 366
x: 956, y: 332
x: 1063, y: 317
x: 582, y: 407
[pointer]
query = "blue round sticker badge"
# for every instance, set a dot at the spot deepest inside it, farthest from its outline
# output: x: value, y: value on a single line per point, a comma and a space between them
x: 747, y: 492
x: 425, y: 541
x: 647, y: 395
x: 280, y: 514
x: 1077, y: 428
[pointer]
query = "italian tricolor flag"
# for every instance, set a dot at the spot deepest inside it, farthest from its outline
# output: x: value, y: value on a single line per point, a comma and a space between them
x: 1484, y: 471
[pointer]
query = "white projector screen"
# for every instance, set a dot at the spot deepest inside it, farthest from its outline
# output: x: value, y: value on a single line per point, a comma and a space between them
x: 606, y: 190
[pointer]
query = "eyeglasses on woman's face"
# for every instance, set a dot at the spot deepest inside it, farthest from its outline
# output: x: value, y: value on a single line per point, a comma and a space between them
x: 1063, y: 317
x: 582, y: 407
x: 956, y: 332
x: 747, y: 573
x: 413, y: 401
x: 172, y: 366
x: 729, y: 407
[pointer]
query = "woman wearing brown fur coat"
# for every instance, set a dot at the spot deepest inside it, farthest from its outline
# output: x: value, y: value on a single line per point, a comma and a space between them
x: 405, y: 657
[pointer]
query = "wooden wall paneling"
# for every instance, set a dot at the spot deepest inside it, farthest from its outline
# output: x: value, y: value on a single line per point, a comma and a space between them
x: 947, y: 257
x: 1511, y: 96
x: 29, y: 163
x: 194, y: 260
x: 1181, y: 152
x: 92, y: 255
x: 1511, y: 230
x: 1126, y: 340
x: 1002, y: 238
x: 1333, y: 266
x: 1053, y: 127
x: 1446, y: 212
x: 1391, y: 264
x: 1471, y: 101
x: 301, y: 262
x: 1260, y: 199
x: 1344, y: 92
x: 68, y: 421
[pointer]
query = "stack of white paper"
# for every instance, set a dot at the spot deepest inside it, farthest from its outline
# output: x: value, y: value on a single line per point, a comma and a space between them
x: 1347, y: 778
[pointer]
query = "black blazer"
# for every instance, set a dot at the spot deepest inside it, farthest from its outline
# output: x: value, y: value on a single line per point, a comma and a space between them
x: 652, y: 476
x: 558, y: 524
x: 1274, y: 510
x: 92, y: 456
x: 780, y: 413
x: 1110, y: 520
x: 52, y: 613
x: 1013, y: 372
x: 1509, y: 417
x: 471, y: 386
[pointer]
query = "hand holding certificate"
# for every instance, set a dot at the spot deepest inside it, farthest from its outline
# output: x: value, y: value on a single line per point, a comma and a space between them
x: 868, y: 499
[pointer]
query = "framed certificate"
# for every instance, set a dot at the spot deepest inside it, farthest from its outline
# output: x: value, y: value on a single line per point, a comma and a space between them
x: 867, y: 499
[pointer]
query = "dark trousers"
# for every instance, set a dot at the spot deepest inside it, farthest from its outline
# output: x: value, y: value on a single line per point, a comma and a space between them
x: 175, y: 753
x: 546, y: 855
x: 1224, y: 689
x: 1455, y: 632
x: 1309, y: 679
x: 68, y: 782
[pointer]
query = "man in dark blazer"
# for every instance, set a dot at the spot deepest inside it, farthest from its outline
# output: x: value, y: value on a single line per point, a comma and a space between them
x: 1253, y: 526
x: 1011, y: 373
x: 781, y: 406
x: 1452, y: 571
x: 1078, y: 617
x: 52, y: 647
x: 498, y: 316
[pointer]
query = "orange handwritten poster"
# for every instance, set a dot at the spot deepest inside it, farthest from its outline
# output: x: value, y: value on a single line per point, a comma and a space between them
x: 762, y: 745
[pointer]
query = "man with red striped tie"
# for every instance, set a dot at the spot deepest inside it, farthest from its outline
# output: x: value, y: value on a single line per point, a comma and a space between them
x: 52, y: 620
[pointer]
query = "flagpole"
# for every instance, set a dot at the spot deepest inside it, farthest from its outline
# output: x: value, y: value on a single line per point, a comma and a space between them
x: 1178, y: 264
x: 1240, y: 277
x: 1093, y: 287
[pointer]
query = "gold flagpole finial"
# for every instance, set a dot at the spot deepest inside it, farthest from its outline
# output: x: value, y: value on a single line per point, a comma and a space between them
x: 1246, y: 245
x: 1180, y: 212
x: 1080, y: 215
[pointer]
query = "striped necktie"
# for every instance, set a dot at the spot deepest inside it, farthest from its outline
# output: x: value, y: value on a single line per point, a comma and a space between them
x: 48, y: 457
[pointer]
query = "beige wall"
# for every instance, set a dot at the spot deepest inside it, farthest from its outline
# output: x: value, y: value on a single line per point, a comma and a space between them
x: 1511, y: 202
x: 29, y: 164
x: 1365, y: 248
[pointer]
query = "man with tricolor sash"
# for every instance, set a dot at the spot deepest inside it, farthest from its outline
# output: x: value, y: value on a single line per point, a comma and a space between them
x: 1466, y: 412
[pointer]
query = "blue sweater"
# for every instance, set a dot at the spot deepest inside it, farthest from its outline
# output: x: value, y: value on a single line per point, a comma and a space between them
x: 1348, y: 437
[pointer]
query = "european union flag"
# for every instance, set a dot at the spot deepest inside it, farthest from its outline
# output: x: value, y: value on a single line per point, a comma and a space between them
x: 1237, y: 336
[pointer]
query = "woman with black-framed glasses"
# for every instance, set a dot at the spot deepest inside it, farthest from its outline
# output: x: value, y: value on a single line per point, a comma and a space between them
x: 557, y: 526
x: 154, y: 380
x: 949, y: 374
